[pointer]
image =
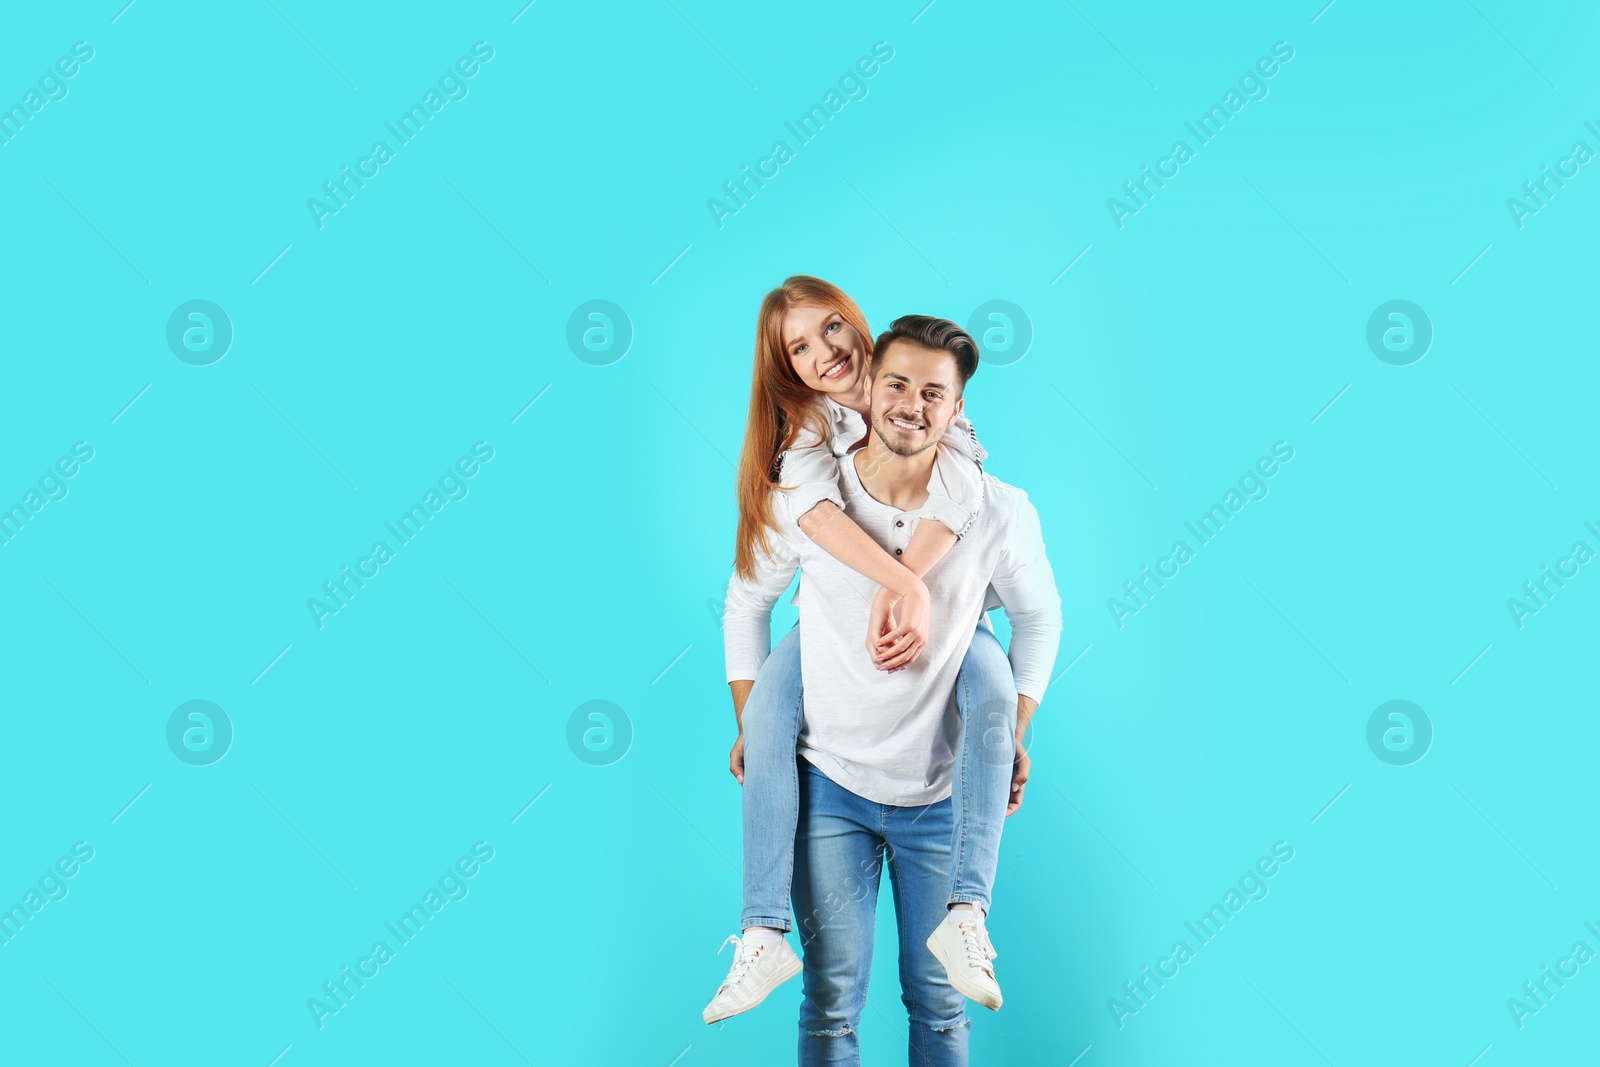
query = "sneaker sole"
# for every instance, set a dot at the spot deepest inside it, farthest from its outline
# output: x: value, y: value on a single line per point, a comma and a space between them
x: 962, y: 986
x: 788, y: 971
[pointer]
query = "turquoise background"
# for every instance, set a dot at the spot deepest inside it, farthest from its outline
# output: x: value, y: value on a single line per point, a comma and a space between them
x: 587, y: 560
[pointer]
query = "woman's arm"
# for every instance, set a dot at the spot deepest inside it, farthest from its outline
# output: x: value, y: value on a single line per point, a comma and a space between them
x: 838, y: 535
x: 955, y: 497
x: 890, y: 642
x: 808, y: 490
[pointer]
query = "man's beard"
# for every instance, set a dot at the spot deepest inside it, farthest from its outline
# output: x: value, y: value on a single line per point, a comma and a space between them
x: 900, y: 450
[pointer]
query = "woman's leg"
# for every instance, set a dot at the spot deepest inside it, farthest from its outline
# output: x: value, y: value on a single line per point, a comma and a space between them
x: 986, y: 692
x: 771, y: 802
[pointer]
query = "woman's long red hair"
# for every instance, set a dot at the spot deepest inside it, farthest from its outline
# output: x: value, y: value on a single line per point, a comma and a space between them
x: 780, y: 405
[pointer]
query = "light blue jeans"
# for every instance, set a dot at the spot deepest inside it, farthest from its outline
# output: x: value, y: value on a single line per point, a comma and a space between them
x: 986, y: 693
x: 845, y: 841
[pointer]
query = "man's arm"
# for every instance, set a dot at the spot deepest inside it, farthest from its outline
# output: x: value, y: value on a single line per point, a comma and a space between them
x: 1026, y: 586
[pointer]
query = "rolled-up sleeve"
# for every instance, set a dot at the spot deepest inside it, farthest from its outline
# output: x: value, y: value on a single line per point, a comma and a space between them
x: 956, y: 490
x: 809, y: 474
x: 1026, y: 586
x: 747, y: 612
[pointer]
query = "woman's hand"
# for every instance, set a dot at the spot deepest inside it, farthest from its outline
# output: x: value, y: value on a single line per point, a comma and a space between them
x: 895, y: 646
x: 736, y: 758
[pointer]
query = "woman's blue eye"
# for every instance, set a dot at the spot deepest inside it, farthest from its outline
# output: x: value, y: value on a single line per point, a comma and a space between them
x: 833, y: 325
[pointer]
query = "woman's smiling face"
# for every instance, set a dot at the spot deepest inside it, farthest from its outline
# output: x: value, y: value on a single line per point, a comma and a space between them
x: 826, y: 351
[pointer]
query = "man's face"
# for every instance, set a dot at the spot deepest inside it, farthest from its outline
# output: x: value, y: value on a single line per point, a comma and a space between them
x: 915, y: 393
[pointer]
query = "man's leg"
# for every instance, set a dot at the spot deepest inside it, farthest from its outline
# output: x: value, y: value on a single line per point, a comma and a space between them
x: 919, y: 871
x: 838, y: 861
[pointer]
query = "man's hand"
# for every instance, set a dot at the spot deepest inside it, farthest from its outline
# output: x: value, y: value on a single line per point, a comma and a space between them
x: 1022, y: 765
x: 894, y: 646
x: 736, y: 759
x: 1019, y: 777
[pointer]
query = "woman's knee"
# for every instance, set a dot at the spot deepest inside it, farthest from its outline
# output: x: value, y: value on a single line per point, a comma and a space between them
x: 986, y: 665
x: 771, y: 712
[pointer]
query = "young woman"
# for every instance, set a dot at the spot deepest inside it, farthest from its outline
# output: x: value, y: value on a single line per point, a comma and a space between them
x: 808, y: 403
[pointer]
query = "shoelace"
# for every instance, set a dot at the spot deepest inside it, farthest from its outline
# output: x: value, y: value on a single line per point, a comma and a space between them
x: 744, y: 955
x: 975, y: 938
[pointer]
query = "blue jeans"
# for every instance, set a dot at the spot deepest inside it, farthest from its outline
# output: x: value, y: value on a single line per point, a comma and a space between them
x: 843, y: 844
x: 986, y: 693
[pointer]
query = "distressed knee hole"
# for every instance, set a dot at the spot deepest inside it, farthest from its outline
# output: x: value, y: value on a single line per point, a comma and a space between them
x: 841, y: 1032
x: 958, y: 1024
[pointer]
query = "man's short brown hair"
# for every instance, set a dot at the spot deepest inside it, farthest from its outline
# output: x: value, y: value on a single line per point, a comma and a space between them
x: 941, y: 335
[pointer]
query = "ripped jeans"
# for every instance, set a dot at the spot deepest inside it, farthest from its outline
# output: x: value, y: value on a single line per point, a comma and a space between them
x: 844, y: 842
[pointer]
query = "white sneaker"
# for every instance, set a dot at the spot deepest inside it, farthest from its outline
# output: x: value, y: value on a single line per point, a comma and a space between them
x: 758, y: 969
x: 962, y: 944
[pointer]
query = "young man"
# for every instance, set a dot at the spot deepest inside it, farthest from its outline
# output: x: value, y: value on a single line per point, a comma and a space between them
x: 878, y: 748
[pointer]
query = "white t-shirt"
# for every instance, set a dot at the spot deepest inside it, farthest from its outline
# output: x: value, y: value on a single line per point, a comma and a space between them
x: 890, y: 737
